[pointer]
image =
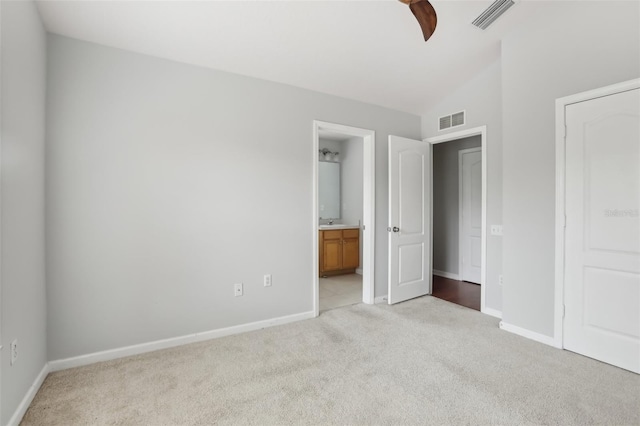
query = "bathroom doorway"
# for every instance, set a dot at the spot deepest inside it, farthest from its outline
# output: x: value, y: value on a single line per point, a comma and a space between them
x: 343, y: 223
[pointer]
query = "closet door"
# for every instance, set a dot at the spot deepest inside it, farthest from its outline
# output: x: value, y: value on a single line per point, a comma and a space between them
x: 602, y: 236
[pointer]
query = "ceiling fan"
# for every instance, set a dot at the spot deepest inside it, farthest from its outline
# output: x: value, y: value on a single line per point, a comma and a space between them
x: 425, y: 14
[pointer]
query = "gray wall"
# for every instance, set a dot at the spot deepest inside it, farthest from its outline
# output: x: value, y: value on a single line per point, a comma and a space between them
x: 446, y: 228
x: 481, y: 99
x: 555, y: 54
x: 167, y: 183
x: 22, y: 126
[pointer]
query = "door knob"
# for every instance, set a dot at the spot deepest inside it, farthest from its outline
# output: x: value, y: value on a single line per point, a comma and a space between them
x: 396, y: 229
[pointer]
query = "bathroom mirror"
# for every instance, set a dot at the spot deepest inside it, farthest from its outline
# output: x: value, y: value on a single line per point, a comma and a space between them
x: 328, y: 190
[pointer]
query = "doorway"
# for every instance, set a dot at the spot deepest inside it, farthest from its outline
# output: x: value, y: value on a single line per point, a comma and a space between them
x: 459, y: 200
x: 343, y: 215
x: 457, y: 204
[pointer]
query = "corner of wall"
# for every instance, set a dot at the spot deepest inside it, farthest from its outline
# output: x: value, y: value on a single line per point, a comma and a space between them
x: 23, y: 285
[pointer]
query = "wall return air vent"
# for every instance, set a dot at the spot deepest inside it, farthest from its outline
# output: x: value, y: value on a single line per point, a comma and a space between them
x: 453, y: 120
x: 492, y: 13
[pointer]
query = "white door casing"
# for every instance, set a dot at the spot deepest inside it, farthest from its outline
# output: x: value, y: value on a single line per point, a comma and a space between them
x: 482, y: 132
x: 602, y: 235
x: 409, y: 219
x: 368, y: 212
x: 470, y: 219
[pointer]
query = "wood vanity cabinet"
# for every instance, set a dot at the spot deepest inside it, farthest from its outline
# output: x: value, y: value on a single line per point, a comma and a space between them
x: 339, y: 251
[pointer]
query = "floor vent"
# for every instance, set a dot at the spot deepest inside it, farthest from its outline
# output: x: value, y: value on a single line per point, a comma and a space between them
x: 453, y: 120
x: 492, y: 13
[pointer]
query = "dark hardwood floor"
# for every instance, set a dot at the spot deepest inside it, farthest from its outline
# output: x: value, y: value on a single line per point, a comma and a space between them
x: 458, y: 292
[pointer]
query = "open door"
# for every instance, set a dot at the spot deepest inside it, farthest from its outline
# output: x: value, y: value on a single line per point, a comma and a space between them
x: 409, y: 219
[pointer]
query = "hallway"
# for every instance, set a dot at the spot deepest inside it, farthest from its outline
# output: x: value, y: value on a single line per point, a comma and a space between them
x: 459, y: 292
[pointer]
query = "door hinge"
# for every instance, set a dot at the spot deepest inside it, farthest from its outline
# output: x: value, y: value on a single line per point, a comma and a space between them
x: 564, y: 311
x: 564, y: 221
x: 565, y: 131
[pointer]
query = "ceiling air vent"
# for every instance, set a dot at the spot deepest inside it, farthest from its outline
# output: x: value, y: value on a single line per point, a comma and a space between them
x: 453, y: 120
x: 492, y: 13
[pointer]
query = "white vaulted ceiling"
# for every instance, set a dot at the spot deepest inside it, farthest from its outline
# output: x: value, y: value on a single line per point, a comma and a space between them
x: 370, y: 51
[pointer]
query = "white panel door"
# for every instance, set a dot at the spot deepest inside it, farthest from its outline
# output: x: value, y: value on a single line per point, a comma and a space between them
x: 470, y: 164
x: 409, y: 219
x: 602, y: 236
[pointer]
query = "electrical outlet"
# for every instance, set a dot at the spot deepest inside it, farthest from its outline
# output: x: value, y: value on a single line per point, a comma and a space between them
x: 267, y: 280
x: 496, y: 230
x: 237, y: 289
x: 500, y: 280
x: 14, y: 351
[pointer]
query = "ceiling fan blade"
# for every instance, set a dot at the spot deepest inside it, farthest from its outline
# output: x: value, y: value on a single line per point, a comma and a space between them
x: 425, y: 14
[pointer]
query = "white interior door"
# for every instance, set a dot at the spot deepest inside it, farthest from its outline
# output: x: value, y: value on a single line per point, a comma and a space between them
x: 470, y: 175
x: 409, y: 219
x: 602, y: 236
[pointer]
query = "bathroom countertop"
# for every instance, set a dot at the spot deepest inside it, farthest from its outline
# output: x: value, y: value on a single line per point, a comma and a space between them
x: 337, y: 226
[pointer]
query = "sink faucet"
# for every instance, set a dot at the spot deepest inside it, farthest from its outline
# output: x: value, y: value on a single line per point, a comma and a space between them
x: 330, y: 221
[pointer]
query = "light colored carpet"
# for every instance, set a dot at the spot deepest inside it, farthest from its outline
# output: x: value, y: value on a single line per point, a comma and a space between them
x: 340, y: 290
x: 425, y: 361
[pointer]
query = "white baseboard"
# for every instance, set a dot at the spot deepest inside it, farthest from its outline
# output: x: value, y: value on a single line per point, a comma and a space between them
x: 443, y: 274
x: 28, y: 398
x: 547, y: 340
x: 359, y: 271
x: 493, y: 312
x: 381, y: 299
x: 107, y: 355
